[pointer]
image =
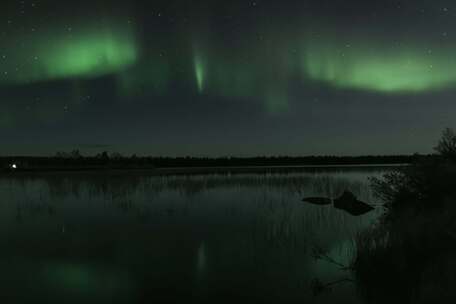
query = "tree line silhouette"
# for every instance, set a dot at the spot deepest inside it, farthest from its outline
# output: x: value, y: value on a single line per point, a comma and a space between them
x: 75, y: 160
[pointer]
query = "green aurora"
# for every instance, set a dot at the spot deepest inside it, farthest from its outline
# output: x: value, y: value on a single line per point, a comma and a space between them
x: 380, y: 68
x: 199, y: 73
x: 87, y: 53
x: 228, y: 77
x: 364, y: 65
x: 249, y: 72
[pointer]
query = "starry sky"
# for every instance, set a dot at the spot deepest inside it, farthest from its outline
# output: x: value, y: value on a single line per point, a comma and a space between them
x: 220, y: 78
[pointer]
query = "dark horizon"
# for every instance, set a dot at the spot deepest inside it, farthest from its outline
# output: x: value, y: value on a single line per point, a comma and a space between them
x: 115, y: 153
x: 75, y: 161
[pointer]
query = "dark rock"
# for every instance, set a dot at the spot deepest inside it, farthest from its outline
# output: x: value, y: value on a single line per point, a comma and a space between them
x: 349, y: 203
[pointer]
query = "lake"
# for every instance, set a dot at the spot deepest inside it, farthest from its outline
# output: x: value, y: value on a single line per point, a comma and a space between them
x: 138, y: 238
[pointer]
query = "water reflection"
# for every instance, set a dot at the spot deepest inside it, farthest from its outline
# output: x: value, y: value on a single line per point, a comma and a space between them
x: 128, y: 239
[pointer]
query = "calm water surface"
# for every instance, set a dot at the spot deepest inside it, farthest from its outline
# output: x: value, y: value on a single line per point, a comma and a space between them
x: 124, y: 238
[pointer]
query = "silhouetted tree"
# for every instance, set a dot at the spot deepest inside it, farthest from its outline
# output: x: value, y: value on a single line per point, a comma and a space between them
x: 104, y: 155
x: 447, y: 144
x: 408, y: 257
x: 76, y: 154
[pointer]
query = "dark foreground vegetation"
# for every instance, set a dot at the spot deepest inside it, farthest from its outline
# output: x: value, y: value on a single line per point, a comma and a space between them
x: 410, y: 256
x: 76, y: 161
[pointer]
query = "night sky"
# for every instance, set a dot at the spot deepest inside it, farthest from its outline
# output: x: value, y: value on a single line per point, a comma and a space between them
x: 219, y: 78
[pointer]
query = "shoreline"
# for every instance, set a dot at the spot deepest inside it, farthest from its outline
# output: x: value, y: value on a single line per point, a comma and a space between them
x: 200, y: 170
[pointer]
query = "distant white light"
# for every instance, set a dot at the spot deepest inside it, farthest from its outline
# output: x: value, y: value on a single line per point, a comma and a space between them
x: 14, y: 166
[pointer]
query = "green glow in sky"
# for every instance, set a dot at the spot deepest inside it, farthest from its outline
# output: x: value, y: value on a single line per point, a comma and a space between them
x: 251, y: 72
x: 89, y: 51
x: 199, y: 73
x: 95, y: 54
x: 379, y: 68
x: 244, y: 76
